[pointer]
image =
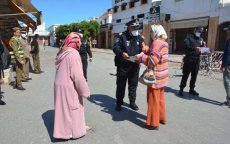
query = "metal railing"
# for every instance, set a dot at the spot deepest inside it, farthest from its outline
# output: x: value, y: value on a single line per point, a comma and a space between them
x: 211, y: 63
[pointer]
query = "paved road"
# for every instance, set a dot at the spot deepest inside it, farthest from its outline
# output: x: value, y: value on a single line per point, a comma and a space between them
x: 28, y: 116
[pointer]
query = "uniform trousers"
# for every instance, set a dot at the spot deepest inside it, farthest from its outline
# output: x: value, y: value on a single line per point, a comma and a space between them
x: 85, y: 66
x: 36, y: 62
x: 19, y: 73
x: 226, y: 78
x: 126, y: 73
x: 26, y: 67
x: 190, y: 66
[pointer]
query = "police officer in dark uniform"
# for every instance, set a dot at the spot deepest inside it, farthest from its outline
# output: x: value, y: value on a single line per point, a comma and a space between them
x: 84, y: 52
x: 129, y: 43
x: 193, y: 42
x: 1, y: 71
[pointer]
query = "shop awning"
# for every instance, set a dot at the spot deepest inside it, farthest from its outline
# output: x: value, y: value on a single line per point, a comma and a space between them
x: 12, y: 11
x: 189, y: 23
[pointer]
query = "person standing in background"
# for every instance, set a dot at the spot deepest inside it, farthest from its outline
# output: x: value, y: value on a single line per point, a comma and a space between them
x: 84, y: 51
x: 18, y: 57
x: 27, y: 57
x: 1, y: 72
x: 191, y: 64
x: 226, y: 67
x: 35, y: 54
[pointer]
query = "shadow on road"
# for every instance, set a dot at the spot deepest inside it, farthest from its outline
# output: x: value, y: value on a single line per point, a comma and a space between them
x: 188, y: 96
x: 48, y: 118
x: 108, y: 105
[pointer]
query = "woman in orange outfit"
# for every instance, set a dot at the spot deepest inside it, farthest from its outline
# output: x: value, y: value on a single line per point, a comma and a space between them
x: 156, y: 58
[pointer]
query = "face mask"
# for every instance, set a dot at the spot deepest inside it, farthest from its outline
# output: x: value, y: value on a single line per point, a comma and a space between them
x: 197, y: 34
x: 135, y: 33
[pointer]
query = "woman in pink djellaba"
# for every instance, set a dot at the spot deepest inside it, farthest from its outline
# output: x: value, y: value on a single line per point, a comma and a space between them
x: 70, y: 88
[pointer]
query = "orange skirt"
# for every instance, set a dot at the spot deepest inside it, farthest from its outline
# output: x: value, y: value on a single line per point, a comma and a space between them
x: 156, y: 107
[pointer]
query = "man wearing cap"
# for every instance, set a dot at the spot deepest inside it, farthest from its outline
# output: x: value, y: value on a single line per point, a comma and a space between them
x: 129, y: 43
x: 17, y: 56
x: 193, y: 42
x: 35, y: 54
x: 226, y: 66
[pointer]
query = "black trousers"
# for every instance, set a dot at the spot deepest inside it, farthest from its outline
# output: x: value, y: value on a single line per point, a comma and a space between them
x: 85, y: 66
x: 126, y: 73
x: 190, y: 66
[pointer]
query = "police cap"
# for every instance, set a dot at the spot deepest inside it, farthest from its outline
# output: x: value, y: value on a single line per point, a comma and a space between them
x: 16, y: 28
x: 133, y: 23
x: 227, y: 28
x: 199, y: 28
x: 36, y: 35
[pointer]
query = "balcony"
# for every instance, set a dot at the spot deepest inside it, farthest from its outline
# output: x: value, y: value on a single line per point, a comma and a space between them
x: 106, y: 26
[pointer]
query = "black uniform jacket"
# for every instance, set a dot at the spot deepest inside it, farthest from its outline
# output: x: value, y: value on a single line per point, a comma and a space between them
x: 129, y: 44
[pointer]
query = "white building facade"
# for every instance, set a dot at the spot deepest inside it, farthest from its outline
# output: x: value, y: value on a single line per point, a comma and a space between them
x: 52, y: 31
x: 42, y: 32
x: 105, y: 38
x: 213, y: 15
x: 126, y: 10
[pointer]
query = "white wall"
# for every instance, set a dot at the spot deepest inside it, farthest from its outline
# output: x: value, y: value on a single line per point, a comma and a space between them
x: 108, y: 18
x: 126, y: 15
x: 185, y: 9
x: 52, y: 30
x: 41, y: 30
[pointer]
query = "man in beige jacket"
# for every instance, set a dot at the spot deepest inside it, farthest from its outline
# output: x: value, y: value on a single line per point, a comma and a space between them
x: 27, y: 57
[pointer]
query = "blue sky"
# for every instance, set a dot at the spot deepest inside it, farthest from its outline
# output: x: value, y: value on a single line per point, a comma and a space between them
x: 69, y: 11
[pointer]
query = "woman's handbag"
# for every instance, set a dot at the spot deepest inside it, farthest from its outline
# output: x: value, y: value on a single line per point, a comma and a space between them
x: 147, y: 77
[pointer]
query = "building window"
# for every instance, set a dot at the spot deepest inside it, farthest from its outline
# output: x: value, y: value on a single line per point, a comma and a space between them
x: 144, y: 1
x: 141, y: 16
x: 132, y: 4
x: 115, y: 8
x: 117, y: 1
x: 123, y: 6
x: 118, y: 21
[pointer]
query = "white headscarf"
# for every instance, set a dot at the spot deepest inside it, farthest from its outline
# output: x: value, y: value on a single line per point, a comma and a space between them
x: 158, y: 31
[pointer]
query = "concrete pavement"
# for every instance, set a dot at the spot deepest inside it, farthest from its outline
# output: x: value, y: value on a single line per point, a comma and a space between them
x: 28, y: 116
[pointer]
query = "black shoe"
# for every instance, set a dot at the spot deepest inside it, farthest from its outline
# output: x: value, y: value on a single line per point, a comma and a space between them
x: 118, y: 108
x: 133, y: 106
x: 2, y: 102
x: 28, y: 78
x: 36, y: 72
x: 193, y: 92
x: 180, y: 93
x: 226, y: 104
x: 20, y: 88
x: 24, y: 80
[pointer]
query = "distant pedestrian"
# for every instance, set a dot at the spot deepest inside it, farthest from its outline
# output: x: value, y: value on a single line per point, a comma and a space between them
x: 226, y: 67
x: 17, y: 57
x: 44, y: 44
x: 191, y: 63
x: 156, y: 59
x: 35, y: 54
x: 70, y: 87
x: 84, y: 51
